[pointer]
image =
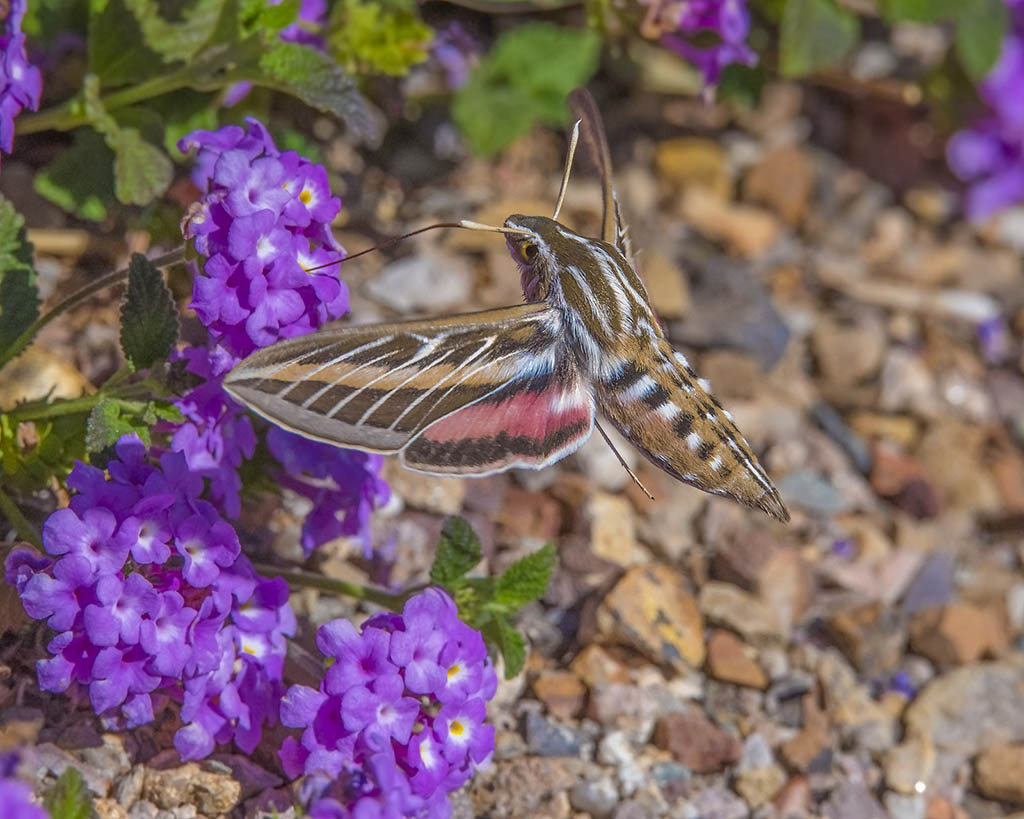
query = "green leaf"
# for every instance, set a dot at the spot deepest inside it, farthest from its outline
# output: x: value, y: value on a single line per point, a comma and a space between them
x: 142, y: 171
x: 112, y: 418
x: 259, y: 16
x: 921, y: 11
x: 370, y: 37
x: 457, y: 552
x: 980, y: 30
x: 525, y: 78
x: 180, y: 39
x: 815, y: 34
x: 117, y: 51
x: 69, y: 798
x: 526, y: 579
x: 512, y: 646
x: 80, y: 180
x: 149, y: 319
x: 19, y: 295
x: 319, y: 82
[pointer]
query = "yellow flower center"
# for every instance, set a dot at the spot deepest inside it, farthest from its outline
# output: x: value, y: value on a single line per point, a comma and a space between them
x: 306, y: 197
x: 456, y: 728
x: 454, y: 670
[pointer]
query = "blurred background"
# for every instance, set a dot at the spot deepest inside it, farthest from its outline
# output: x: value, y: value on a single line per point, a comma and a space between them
x: 827, y: 200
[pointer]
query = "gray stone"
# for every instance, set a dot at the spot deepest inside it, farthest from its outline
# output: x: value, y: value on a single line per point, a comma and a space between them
x: 109, y: 757
x: 932, y: 585
x: 616, y: 749
x: 812, y: 492
x: 129, y: 788
x: 718, y: 803
x: 428, y: 282
x: 852, y: 800
x: 56, y: 760
x: 143, y: 810
x: 631, y: 810
x: 545, y: 737
x: 597, y: 797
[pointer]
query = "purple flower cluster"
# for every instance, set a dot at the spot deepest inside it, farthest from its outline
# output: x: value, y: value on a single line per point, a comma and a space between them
x: 456, y: 52
x: 679, y: 23
x: 989, y: 156
x: 152, y: 599
x: 263, y: 226
x: 399, y: 715
x: 21, y: 84
x: 16, y: 801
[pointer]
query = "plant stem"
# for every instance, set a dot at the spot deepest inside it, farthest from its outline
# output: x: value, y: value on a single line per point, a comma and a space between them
x: 41, y: 410
x: 316, y: 581
x: 23, y: 340
x: 25, y: 530
x: 71, y: 114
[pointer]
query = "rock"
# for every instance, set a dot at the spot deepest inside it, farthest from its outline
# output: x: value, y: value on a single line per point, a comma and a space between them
x: 667, y: 525
x: 526, y: 514
x: 803, y: 751
x: 440, y: 495
x: 597, y: 461
x: 851, y: 707
x: 734, y: 375
x: 848, y: 353
x: 872, y: 637
x: 595, y: 666
x: 718, y: 802
x: 905, y: 806
x: 56, y: 760
x: 667, y: 286
x: 19, y: 726
x: 786, y: 585
x: 904, y: 481
x: 999, y: 773
x: 795, y: 798
x: 959, y: 633
x: 612, y: 527
x: 941, y: 808
x: 901, y: 430
x: 731, y: 309
x: 597, y: 797
x: 39, y: 373
x: 650, y: 610
x: 616, y: 749
x: 746, y: 230
x: 630, y: 809
x: 188, y: 784
x: 128, y: 789
x: 741, y: 555
x: 690, y: 162
x: 932, y: 585
x: 971, y: 708
x: 143, y: 810
x: 725, y: 605
x: 952, y: 453
x: 759, y: 786
x: 109, y: 809
x: 908, y: 767
x: 730, y: 660
x: 527, y: 786
x: 109, y: 757
x: 545, y: 737
x: 427, y: 282
x: 673, y: 779
x: 853, y: 800
x: 695, y: 741
x: 812, y: 492
x: 562, y: 693
x: 783, y: 180
x: 907, y: 385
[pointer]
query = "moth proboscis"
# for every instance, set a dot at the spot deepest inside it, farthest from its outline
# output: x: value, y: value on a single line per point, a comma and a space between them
x: 519, y: 386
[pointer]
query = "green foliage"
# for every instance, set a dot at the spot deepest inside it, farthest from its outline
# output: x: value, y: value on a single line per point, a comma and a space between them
x: 815, y: 34
x: 19, y: 295
x: 980, y: 29
x: 490, y: 604
x: 69, y: 798
x: 258, y: 15
x: 372, y: 37
x: 525, y: 78
x: 81, y: 179
x: 113, y: 417
x: 149, y: 318
x: 31, y: 467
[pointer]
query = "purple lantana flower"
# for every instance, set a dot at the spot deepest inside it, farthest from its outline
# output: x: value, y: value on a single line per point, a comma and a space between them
x: 151, y: 597
x: 21, y: 84
x: 407, y: 692
x: 16, y: 801
x: 989, y: 156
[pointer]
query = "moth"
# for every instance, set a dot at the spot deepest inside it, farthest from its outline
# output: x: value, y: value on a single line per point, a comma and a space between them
x: 520, y: 386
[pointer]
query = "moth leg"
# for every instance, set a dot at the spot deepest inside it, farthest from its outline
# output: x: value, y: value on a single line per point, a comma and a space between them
x: 622, y: 461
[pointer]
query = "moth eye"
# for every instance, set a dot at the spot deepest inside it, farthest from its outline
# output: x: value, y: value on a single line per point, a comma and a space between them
x: 529, y: 251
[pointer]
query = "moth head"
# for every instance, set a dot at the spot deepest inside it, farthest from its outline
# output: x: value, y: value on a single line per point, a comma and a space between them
x: 532, y: 241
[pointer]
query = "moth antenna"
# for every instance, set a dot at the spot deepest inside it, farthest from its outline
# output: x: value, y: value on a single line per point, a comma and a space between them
x: 568, y: 167
x: 622, y: 461
x: 469, y: 224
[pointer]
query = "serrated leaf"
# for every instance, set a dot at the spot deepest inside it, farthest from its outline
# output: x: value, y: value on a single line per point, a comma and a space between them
x: 69, y: 798
x: 19, y: 295
x: 177, y: 40
x: 458, y: 551
x: 512, y: 647
x: 815, y: 34
x: 149, y: 319
x: 81, y: 179
x: 319, y: 82
x: 980, y: 30
x: 270, y: 20
x: 370, y: 37
x: 108, y: 421
x: 142, y: 171
x: 524, y: 79
x: 526, y: 579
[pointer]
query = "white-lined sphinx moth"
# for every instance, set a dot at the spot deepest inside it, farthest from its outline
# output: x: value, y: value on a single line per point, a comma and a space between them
x: 520, y: 386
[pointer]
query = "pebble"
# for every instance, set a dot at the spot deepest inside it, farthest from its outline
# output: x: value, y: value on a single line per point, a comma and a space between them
x: 971, y: 708
x: 667, y: 286
x: 690, y: 162
x: 725, y: 605
x: 56, y: 760
x: 853, y: 800
x: 851, y: 707
x: 650, y: 610
x: 783, y: 180
x: 107, y: 809
x: 212, y: 793
x: 746, y: 230
x: 562, y: 693
x: 143, y: 810
x: 545, y: 737
x: 597, y: 797
x: 426, y: 282
x: 959, y: 633
x: 730, y: 660
x: 905, y: 806
x: 613, y: 526
x: 999, y: 773
x: 807, y: 489
x: 932, y: 585
x: 696, y: 742
x: 431, y: 493
x: 128, y: 789
x: 526, y: 786
x: 595, y: 666
x: 848, y: 353
x: 598, y: 462
x: 616, y: 749
x: 909, y: 766
x: 716, y: 802
x: 804, y: 751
